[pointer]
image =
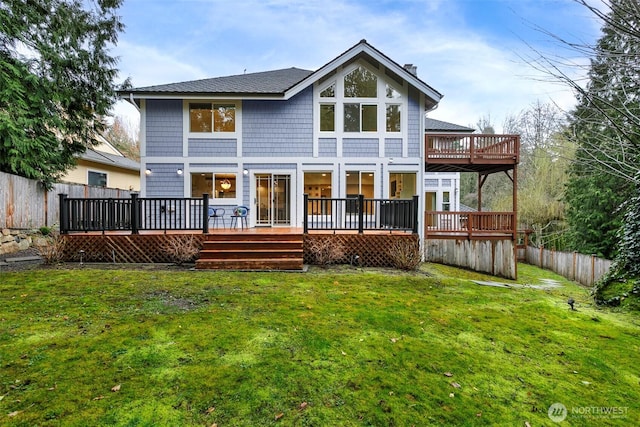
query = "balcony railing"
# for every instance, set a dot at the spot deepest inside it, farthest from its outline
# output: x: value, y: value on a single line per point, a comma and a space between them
x: 475, y: 148
x: 444, y: 224
x: 360, y: 214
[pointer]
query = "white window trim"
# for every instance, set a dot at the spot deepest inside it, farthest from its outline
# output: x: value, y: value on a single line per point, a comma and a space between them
x: 213, y: 201
x: 186, y: 125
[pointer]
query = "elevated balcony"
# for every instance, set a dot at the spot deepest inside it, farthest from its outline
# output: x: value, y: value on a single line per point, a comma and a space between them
x: 463, y: 152
x: 483, y: 154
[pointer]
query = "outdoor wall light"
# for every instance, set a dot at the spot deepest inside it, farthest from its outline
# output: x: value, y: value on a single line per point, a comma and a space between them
x: 179, y: 172
x: 147, y: 172
x: 245, y: 172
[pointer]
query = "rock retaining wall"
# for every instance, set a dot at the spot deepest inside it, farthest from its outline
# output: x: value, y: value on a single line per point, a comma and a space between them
x: 19, y: 240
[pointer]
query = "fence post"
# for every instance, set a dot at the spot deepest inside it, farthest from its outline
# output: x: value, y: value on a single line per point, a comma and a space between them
x: 360, y: 214
x: 305, y: 213
x: 64, y: 214
x: 135, y: 213
x: 415, y: 215
x: 205, y: 213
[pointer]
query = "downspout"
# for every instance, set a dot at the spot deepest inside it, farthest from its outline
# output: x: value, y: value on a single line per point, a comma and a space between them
x: 131, y: 100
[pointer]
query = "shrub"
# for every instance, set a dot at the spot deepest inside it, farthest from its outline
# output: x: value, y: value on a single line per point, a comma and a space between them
x: 45, y: 231
x: 405, y: 254
x: 325, y: 251
x: 181, y: 249
x: 53, y: 251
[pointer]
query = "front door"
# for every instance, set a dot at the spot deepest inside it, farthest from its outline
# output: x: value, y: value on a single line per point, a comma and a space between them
x: 273, y: 200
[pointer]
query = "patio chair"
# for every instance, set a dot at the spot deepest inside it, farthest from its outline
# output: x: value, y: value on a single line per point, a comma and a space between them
x: 216, y: 214
x: 240, y: 212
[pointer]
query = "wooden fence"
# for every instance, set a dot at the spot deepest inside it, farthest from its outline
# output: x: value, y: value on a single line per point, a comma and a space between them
x: 24, y: 204
x: 584, y: 269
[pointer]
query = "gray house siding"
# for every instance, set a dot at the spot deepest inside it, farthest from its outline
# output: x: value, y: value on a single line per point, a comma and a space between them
x: 415, y: 134
x: 393, y: 147
x: 278, y: 128
x: 212, y: 147
x: 327, y: 147
x: 360, y: 147
x: 164, y: 181
x: 163, y: 127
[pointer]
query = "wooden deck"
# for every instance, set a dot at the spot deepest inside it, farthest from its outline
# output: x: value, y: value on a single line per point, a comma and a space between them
x: 286, y: 248
x: 447, y: 152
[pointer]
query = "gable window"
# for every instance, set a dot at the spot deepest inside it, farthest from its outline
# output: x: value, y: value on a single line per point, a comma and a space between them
x: 360, y: 118
x: 329, y: 92
x: 207, y: 117
x: 99, y: 179
x: 393, y: 118
x: 360, y: 83
x: 327, y: 117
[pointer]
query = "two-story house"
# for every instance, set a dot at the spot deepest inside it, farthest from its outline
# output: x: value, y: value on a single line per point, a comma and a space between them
x: 354, y: 126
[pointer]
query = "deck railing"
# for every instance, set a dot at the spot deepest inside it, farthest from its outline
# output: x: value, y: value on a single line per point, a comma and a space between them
x: 360, y: 214
x: 133, y: 214
x: 152, y: 214
x: 475, y: 147
x: 470, y: 224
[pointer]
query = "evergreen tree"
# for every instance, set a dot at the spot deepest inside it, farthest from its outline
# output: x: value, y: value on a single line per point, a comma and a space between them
x: 605, y: 127
x: 56, y: 82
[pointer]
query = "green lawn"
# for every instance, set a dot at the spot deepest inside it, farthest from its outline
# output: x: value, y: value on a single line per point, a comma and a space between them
x: 325, y: 348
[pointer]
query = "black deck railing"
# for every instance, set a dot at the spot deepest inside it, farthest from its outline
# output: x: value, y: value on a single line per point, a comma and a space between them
x: 358, y: 213
x: 137, y: 214
x: 134, y: 214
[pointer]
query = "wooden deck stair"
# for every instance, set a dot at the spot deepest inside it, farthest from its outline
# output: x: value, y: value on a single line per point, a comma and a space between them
x: 264, y: 251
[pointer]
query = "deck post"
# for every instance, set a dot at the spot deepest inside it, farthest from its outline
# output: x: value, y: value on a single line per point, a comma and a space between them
x: 414, y: 210
x: 205, y: 213
x: 64, y: 214
x: 305, y: 213
x: 360, y: 213
x: 135, y: 213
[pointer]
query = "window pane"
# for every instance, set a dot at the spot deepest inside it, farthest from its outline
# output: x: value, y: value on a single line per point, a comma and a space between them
x: 446, y: 204
x: 360, y: 83
x: 318, y: 185
x: 366, y: 187
x: 329, y: 92
x: 352, y: 117
x: 97, y: 178
x: 200, y: 117
x: 392, y: 93
x: 327, y: 117
x: 393, y: 118
x: 225, y: 186
x: 200, y: 184
x: 224, y: 118
x: 369, y: 118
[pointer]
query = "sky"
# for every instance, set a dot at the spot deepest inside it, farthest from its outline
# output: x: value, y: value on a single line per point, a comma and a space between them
x: 474, y: 52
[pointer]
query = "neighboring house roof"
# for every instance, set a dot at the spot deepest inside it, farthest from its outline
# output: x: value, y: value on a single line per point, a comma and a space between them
x: 465, y: 208
x: 285, y: 83
x: 110, y: 160
x: 433, y: 125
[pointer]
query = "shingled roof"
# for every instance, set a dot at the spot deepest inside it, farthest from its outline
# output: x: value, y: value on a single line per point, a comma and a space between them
x: 264, y: 83
x: 434, y: 125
